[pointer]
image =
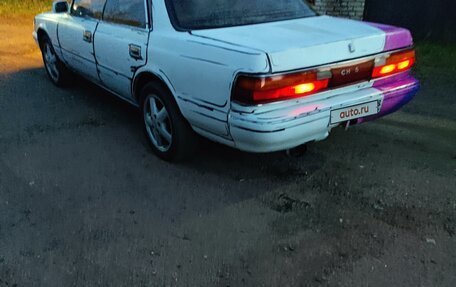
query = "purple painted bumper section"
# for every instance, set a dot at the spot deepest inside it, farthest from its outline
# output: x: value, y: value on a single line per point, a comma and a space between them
x: 396, y: 38
x: 397, y: 91
x: 400, y: 89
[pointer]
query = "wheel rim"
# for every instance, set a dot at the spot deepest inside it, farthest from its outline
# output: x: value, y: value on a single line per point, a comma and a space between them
x: 50, y: 61
x: 158, y: 123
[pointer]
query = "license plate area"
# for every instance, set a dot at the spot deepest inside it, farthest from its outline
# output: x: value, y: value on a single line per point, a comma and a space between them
x: 355, y: 112
x: 352, y: 74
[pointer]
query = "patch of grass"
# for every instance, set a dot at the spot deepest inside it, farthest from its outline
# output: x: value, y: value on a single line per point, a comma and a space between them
x: 24, y: 7
x: 435, y: 60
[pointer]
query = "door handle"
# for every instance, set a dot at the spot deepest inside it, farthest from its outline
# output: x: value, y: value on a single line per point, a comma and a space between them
x: 87, y: 36
x: 135, y: 52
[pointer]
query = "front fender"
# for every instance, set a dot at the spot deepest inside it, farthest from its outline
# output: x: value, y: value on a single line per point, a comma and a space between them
x: 47, y: 23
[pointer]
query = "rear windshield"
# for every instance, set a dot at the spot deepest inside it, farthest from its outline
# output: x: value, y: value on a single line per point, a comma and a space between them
x: 206, y: 14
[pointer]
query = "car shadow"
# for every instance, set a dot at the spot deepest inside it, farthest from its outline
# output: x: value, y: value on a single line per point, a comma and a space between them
x: 105, y: 109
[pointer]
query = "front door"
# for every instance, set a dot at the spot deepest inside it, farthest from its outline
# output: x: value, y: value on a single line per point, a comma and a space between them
x: 76, y: 35
x: 121, y: 43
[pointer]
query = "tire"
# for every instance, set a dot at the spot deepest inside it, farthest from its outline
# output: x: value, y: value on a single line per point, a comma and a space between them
x: 169, y: 134
x: 55, y: 69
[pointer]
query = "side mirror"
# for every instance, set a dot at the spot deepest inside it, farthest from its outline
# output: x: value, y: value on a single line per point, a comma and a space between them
x: 60, y: 6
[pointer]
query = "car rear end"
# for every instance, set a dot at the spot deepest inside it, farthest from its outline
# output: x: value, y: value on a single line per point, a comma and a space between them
x: 284, y: 109
x: 323, y: 71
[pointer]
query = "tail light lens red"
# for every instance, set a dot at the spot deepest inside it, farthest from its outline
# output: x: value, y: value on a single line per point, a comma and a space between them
x: 253, y: 90
x: 258, y: 90
x: 396, y: 63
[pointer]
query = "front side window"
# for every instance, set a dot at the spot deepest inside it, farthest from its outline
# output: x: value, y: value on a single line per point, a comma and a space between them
x: 126, y: 12
x: 206, y: 14
x: 88, y: 8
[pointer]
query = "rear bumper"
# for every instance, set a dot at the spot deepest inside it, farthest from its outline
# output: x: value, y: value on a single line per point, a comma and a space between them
x: 286, y: 125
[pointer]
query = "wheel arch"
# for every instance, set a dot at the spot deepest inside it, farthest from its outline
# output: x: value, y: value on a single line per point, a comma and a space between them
x: 41, y: 32
x: 144, y: 77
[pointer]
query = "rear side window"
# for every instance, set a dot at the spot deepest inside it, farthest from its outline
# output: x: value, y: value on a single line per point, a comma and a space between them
x: 126, y: 12
x: 88, y: 8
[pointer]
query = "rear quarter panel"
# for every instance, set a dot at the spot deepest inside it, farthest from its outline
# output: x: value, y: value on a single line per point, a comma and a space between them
x: 200, y: 73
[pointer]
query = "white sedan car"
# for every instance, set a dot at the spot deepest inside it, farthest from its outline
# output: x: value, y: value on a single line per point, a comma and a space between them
x: 258, y: 75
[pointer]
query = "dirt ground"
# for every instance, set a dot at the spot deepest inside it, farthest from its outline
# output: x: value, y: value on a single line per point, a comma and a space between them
x: 83, y: 202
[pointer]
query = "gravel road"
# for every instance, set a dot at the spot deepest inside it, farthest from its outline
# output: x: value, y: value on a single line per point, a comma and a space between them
x: 83, y: 202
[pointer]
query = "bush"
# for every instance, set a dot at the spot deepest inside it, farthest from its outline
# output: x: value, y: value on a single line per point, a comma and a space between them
x: 20, y: 7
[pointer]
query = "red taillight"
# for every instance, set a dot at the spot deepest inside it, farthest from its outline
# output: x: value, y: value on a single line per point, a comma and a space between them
x: 265, y: 89
x: 257, y: 90
x: 394, y: 64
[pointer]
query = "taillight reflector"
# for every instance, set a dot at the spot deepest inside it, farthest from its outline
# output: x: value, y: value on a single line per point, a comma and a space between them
x: 395, y: 63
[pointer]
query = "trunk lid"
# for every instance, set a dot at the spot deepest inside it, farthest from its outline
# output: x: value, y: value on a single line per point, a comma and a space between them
x: 303, y: 43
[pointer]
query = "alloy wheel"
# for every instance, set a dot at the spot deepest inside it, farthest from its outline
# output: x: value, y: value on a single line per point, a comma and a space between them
x: 158, y: 123
x: 50, y: 61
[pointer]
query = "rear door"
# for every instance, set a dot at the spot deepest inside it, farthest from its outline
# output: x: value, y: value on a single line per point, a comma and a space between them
x: 121, y: 43
x: 76, y: 34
